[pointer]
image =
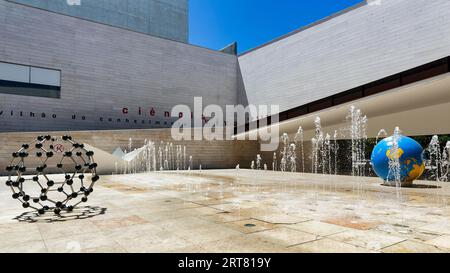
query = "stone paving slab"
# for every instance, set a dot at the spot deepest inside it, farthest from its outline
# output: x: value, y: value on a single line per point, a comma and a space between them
x: 281, y: 218
x: 326, y: 245
x: 413, y: 247
x: 284, y: 236
x: 319, y: 228
x: 441, y: 241
x: 250, y: 226
x: 367, y: 239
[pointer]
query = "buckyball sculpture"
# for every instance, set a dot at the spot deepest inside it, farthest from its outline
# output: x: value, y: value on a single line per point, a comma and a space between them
x: 30, y: 180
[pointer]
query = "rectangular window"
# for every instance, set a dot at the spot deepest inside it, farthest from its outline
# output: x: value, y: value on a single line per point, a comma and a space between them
x: 14, y: 72
x: 26, y: 80
x: 45, y: 76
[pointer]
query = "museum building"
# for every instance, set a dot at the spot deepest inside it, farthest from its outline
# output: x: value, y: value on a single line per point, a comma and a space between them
x: 126, y: 65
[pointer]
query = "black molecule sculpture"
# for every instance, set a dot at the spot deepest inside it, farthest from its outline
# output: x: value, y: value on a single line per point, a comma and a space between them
x: 52, y: 174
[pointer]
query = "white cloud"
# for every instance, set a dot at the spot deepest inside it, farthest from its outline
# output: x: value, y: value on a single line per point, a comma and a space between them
x: 374, y: 2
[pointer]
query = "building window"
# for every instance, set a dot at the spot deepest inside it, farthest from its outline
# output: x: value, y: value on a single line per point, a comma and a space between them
x: 29, y: 81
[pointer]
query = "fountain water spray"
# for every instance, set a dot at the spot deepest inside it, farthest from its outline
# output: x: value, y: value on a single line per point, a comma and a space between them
x: 381, y: 133
x: 436, y: 161
x: 314, y: 155
x: 292, y: 156
x: 184, y: 158
x: 335, y: 151
x: 299, y: 138
x: 283, y: 164
x: 130, y: 145
x: 326, y: 155
x: 358, y: 128
x: 258, y: 162
x: 394, y: 174
x: 160, y: 155
x: 274, y: 162
x: 433, y: 158
x: 445, y: 166
x: 150, y: 158
x: 284, y: 152
x: 317, y: 146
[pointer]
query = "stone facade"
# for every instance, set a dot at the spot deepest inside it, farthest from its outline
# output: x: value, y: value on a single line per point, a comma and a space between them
x: 111, y: 78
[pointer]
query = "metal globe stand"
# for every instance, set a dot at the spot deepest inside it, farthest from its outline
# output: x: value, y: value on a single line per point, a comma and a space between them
x: 30, y: 180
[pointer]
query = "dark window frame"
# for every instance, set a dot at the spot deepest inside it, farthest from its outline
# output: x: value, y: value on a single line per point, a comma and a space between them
x: 30, y: 89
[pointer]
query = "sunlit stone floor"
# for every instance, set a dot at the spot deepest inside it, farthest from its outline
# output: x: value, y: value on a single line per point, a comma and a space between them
x: 237, y: 211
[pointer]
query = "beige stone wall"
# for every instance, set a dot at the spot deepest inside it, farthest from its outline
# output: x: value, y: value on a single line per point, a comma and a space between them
x: 210, y: 154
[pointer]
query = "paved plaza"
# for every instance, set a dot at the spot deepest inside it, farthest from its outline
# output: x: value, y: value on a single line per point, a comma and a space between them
x: 237, y: 211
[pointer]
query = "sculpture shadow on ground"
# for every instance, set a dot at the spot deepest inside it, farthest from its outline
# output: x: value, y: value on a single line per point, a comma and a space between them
x: 78, y: 213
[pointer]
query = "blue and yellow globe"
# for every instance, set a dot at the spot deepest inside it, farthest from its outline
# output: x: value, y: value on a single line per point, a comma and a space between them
x: 410, y: 158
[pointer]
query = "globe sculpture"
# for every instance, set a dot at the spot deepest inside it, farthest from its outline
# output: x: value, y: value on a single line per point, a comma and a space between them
x: 30, y: 180
x: 408, y: 154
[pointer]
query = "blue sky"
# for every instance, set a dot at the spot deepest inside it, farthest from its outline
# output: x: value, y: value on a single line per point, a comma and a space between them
x: 217, y: 23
